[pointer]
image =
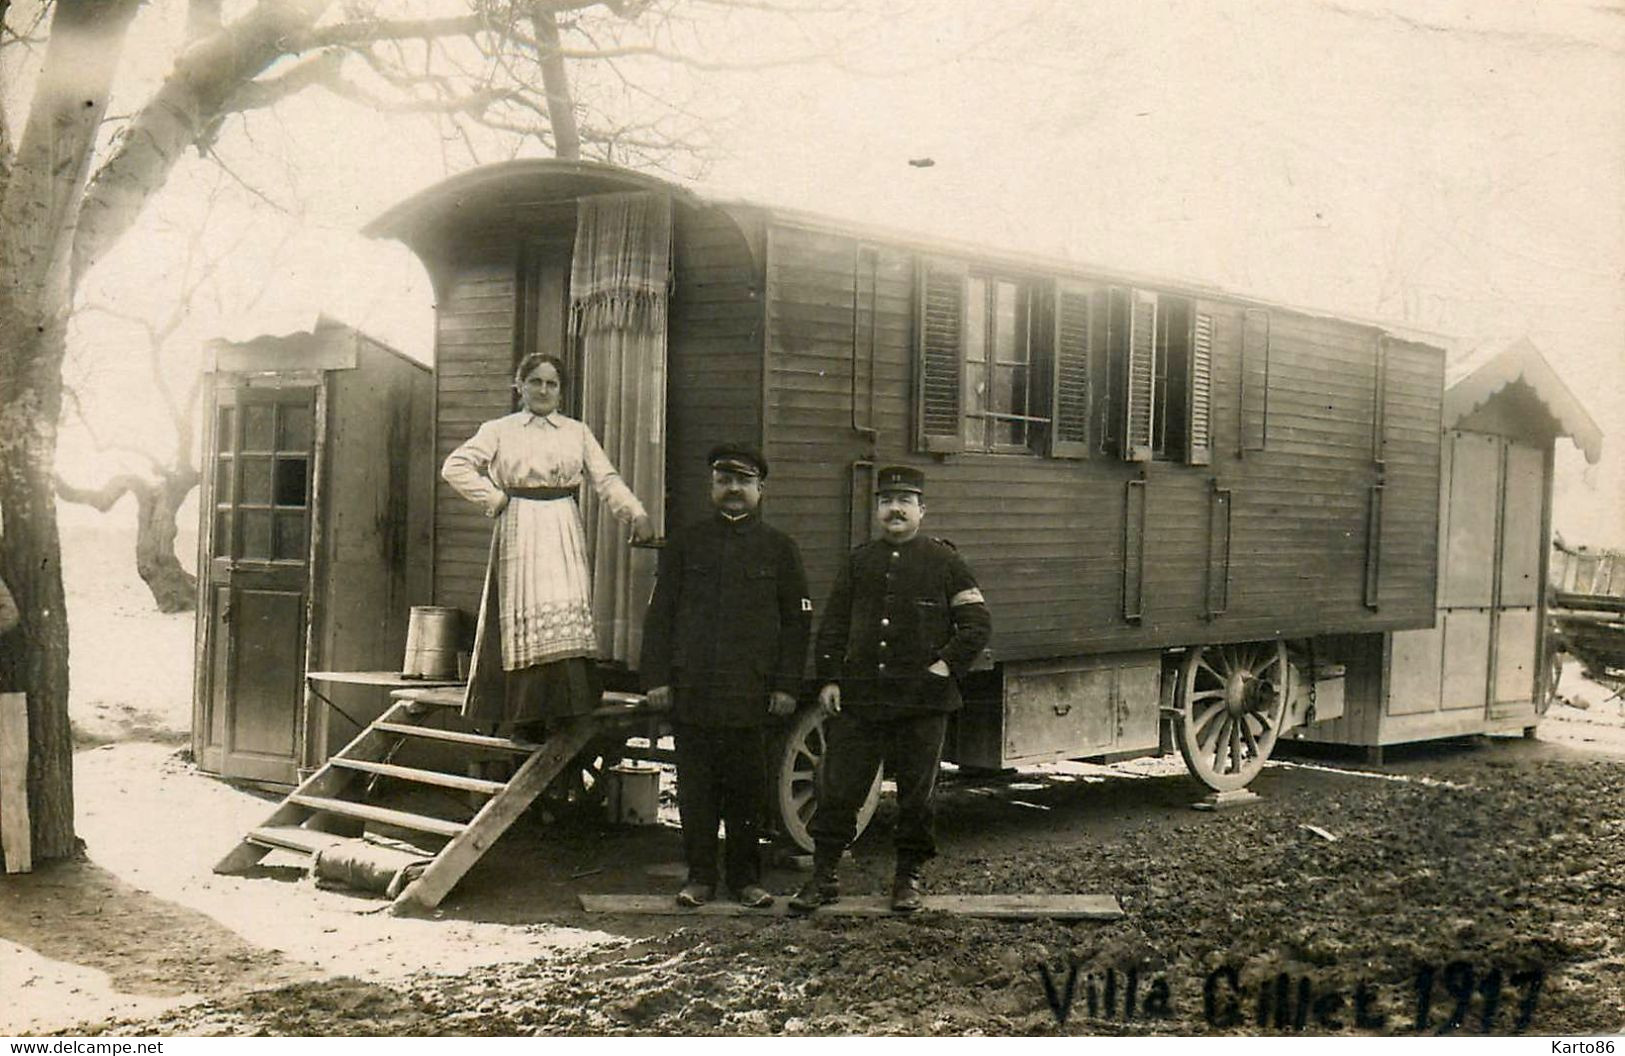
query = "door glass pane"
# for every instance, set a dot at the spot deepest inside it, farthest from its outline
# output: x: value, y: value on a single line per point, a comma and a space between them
x: 224, y: 438
x: 256, y: 480
x: 290, y: 481
x: 222, y: 533
x: 256, y: 526
x: 975, y: 320
x: 293, y: 427
x: 290, y: 537
x: 223, y: 480
x: 257, y: 427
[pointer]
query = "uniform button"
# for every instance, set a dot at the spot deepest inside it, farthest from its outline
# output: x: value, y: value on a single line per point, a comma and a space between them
x: 882, y: 667
x: 882, y: 645
x: 894, y: 555
x: 884, y: 622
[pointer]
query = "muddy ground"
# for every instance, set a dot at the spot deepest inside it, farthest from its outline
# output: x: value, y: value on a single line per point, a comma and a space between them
x: 1496, y: 856
x: 1470, y: 858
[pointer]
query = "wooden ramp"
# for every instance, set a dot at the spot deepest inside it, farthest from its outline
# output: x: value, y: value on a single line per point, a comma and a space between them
x: 331, y: 808
x: 1007, y: 907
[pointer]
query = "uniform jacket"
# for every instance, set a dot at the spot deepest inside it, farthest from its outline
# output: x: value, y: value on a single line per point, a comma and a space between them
x: 894, y: 611
x: 728, y: 622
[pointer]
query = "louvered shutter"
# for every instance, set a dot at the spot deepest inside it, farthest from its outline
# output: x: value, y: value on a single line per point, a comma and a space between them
x: 1141, y: 382
x: 1071, y: 368
x: 1200, y: 435
x: 940, y: 365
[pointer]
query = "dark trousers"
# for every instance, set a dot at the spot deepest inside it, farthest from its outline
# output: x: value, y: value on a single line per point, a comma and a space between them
x: 911, y: 748
x: 722, y: 776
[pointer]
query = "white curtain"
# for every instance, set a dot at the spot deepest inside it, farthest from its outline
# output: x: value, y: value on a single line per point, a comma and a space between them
x: 620, y: 280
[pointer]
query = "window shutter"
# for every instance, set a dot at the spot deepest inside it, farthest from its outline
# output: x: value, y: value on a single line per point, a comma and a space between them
x: 941, y: 318
x: 1140, y: 380
x: 1200, y: 434
x: 1071, y: 368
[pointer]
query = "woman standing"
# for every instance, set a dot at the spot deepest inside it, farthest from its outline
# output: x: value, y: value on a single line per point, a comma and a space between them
x: 524, y: 469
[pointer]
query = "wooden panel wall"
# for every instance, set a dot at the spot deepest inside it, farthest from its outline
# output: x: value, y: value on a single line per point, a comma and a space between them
x: 474, y: 359
x: 714, y: 357
x: 1046, y: 536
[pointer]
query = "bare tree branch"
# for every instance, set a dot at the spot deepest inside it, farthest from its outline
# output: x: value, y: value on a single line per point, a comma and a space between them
x: 106, y: 496
x: 373, y: 31
x: 261, y: 95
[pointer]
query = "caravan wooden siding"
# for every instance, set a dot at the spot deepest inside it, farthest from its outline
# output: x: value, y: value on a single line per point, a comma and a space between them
x: 1047, y: 535
x: 474, y: 358
x: 714, y: 355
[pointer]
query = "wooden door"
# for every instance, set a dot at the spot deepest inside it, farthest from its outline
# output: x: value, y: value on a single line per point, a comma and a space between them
x: 258, y: 587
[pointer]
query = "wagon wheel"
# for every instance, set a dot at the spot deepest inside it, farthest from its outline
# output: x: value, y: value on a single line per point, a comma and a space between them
x: 796, y: 779
x: 580, y: 787
x: 1232, y: 703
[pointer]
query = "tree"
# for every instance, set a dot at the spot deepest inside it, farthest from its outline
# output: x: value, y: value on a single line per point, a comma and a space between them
x: 160, y: 476
x: 75, y: 182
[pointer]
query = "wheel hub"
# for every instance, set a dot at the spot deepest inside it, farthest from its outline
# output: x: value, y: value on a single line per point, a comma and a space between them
x: 1238, y: 692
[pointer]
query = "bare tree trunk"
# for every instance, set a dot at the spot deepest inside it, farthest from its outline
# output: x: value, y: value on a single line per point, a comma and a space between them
x: 34, y: 659
x: 41, y: 199
x: 173, y: 588
x: 561, y: 112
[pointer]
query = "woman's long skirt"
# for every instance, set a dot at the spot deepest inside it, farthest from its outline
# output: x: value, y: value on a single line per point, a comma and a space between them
x: 538, y: 597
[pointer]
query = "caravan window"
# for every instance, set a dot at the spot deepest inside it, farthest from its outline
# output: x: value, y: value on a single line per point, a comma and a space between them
x: 983, y: 378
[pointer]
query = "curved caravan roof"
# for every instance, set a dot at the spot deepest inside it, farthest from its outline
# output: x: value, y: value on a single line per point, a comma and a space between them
x: 483, y: 194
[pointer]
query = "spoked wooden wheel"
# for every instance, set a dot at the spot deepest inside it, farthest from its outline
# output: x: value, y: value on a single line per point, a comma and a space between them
x: 796, y: 780
x: 1232, y: 702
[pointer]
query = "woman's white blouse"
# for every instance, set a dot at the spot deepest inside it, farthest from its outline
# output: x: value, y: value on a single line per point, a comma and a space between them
x: 523, y: 450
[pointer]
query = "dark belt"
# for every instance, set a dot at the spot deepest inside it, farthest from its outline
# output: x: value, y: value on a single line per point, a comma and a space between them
x: 541, y: 494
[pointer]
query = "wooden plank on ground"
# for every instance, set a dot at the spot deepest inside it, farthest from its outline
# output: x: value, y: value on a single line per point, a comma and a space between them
x: 14, y: 837
x: 1006, y: 907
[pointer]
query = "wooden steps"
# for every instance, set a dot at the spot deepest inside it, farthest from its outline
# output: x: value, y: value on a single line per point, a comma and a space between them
x: 470, y: 740
x: 334, y: 797
x: 382, y: 815
x: 423, y: 777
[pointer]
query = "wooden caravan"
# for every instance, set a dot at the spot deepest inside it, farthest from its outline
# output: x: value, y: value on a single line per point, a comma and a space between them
x: 1168, y: 492
x: 313, y: 541
x: 1478, y: 668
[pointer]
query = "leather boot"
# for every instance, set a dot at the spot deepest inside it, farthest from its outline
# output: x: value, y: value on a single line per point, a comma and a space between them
x: 822, y: 889
x: 905, y: 887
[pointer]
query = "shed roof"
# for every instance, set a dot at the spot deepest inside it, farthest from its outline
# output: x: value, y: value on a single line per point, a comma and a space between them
x: 1476, y: 379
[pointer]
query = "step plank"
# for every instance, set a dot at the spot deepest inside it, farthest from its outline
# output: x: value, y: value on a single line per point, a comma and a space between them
x: 472, y: 740
x: 381, y: 815
x: 423, y: 777
x: 1006, y: 907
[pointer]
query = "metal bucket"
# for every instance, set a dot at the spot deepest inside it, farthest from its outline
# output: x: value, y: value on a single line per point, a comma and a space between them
x: 632, y: 793
x: 431, y: 643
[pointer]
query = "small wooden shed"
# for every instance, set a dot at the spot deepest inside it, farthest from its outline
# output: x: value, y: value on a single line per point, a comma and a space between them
x: 313, y: 543
x: 1477, y: 669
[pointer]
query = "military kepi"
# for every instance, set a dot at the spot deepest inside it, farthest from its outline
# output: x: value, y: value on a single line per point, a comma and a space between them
x: 900, y: 478
x: 738, y: 458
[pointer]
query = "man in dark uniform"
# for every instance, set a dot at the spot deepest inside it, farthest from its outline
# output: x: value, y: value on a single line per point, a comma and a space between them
x: 724, y: 645
x: 905, y: 621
